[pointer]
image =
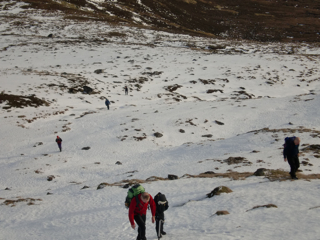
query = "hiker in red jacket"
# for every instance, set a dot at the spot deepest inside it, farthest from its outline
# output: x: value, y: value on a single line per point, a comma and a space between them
x: 138, y: 210
x: 59, y: 141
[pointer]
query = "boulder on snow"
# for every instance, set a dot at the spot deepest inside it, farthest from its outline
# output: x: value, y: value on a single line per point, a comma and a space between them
x: 261, y: 172
x: 214, y: 90
x: 87, y: 89
x: 98, y: 71
x: 158, y: 135
x: 219, y: 213
x: 50, y: 178
x: 102, y: 185
x: 172, y: 177
x: 207, y: 136
x: 219, y: 123
x: 218, y: 191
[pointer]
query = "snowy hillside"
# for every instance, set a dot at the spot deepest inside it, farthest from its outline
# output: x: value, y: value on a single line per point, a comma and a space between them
x: 208, y: 111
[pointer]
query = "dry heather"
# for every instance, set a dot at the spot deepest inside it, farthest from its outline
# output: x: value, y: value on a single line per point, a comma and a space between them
x: 259, y: 20
x: 272, y: 175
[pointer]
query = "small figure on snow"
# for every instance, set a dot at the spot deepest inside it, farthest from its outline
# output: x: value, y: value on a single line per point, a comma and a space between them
x: 107, y: 102
x: 291, y: 153
x: 126, y: 90
x: 138, y: 211
x: 161, y: 206
x: 59, y: 141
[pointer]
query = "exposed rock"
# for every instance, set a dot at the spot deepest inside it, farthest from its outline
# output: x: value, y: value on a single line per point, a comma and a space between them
x: 255, y: 151
x: 313, y: 147
x: 98, y: 71
x: 262, y: 172
x: 214, y: 90
x: 118, y: 163
x: 172, y: 177
x: 158, y: 135
x: 219, y: 213
x: 84, y: 187
x: 219, y: 123
x: 87, y: 89
x: 207, y: 135
x: 50, y: 178
x: 208, y: 172
x: 182, y: 131
x: 85, y: 148
x: 173, y: 88
x: 38, y: 144
x: 102, y: 185
x: 73, y: 90
x: 218, y: 191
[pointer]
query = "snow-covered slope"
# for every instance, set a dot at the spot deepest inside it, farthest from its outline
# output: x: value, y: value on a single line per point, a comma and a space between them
x: 239, y: 100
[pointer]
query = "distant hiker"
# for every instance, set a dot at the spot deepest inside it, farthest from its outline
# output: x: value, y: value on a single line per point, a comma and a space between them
x: 107, y: 102
x: 161, y: 206
x: 291, y: 153
x: 126, y: 90
x: 59, y: 141
x: 138, y: 210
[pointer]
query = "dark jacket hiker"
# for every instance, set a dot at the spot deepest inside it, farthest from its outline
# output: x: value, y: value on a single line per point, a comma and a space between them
x: 161, y: 206
x: 107, y: 102
x: 291, y: 153
x: 59, y: 141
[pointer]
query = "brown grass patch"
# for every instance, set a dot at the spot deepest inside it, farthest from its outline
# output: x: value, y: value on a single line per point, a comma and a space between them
x: 12, y: 203
x: 19, y: 101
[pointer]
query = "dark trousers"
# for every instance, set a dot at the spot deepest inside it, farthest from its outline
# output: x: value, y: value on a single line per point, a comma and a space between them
x: 159, y: 223
x: 141, y: 221
x: 59, y: 145
x: 294, y: 165
x: 108, y: 106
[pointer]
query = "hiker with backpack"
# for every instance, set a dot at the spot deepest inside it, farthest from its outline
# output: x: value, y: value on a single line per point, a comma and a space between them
x: 138, y: 210
x: 291, y: 153
x: 161, y: 206
x: 59, y: 141
x: 107, y: 102
x: 126, y: 90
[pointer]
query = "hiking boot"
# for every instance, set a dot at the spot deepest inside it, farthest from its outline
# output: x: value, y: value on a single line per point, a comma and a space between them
x: 163, y: 233
x: 295, y: 178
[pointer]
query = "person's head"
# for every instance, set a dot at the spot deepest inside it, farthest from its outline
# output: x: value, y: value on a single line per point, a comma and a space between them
x: 145, y: 197
x: 57, y: 136
x: 296, y: 141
